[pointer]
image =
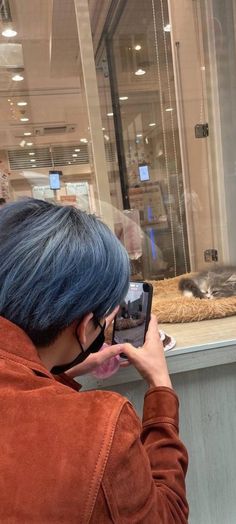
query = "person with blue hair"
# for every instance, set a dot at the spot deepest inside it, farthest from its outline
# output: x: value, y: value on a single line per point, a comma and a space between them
x: 67, y: 455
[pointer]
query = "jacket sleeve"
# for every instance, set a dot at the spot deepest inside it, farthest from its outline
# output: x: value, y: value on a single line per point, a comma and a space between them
x: 144, y: 479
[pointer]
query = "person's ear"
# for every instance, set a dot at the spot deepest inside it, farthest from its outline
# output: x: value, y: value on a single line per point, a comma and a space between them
x: 83, y: 328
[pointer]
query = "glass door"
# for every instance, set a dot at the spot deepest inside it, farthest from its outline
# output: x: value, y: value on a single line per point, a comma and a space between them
x: 144, y: 103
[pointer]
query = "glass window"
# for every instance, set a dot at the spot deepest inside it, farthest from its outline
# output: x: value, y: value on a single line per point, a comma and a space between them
x: 141, y: 65
x: 44, y: 120
x: 171, y: 70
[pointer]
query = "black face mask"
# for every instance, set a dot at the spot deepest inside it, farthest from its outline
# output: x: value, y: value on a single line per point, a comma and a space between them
x: 93, y: 348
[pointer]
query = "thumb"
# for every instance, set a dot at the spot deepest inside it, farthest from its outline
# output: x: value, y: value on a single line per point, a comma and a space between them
x: 129, y: 350
x: 109, y: 351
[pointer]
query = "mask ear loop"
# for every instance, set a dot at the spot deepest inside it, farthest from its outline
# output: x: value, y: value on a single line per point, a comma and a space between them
x: 56, y: 370
x: 96, y: 321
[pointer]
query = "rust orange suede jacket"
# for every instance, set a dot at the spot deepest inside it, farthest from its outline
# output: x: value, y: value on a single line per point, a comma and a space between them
x: 83, y: 457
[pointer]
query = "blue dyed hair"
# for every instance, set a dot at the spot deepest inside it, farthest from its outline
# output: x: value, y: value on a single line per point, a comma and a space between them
x: 57, y: 264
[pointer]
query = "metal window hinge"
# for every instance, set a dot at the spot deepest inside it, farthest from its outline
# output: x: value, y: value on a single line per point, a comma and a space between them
x: 201, y: 130
x: 211, y: 255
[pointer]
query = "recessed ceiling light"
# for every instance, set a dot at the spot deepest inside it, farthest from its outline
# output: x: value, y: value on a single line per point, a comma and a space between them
x: 152, y: 124
x: 27, y: 133
x: 31, y: 153
x: 32, y: 160
x: 11, y: 104
x: 24, y: 119
x: 74, y: 155
x: 69, y: 162
x: 21, y: 104
x: 137, y: 47
x: 9, y: 100
x: 22, y: 143
x: 203, y: 68
x: 140, y: 72
x: 167, y: 28
x: 17, y: 78
x: 139, y: 135
x: 110, y: 114
x: 84, y: 140
x: 106, y: 137
x: 103, y: 129
x: 169, y: 109
x: 29, y: 143
x: 9, y: 33
x: 77, y: 150
x: 123, y: 98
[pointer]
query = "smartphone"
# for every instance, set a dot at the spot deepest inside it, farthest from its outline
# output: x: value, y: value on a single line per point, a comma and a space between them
x: 132, y: 319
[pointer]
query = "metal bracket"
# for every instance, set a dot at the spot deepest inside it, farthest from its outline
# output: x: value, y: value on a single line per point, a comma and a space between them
x: 201, y: 130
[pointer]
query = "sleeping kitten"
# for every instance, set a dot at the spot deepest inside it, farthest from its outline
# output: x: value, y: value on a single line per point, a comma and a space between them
x: 217, y: 282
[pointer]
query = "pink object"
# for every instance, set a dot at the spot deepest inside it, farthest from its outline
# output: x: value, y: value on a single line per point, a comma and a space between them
x: 108, y: 368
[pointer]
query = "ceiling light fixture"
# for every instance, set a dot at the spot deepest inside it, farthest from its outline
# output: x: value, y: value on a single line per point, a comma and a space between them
x: 24, y: 119
x: 22, y: 143
x: 21, y: 104
x: 103, y: 129
x: 110, y: 114
x: 167, y: 28
x: 84, y: 140
x: 123, y: 98
x: 140, y: 72
x: 152, y: 124
x: 9, y: 33
x: 17, y: 78
x: 27, y: 133
x: 32, y: 160
x: 169, y: 109
x: 106, y: 137
x: 31, y: 153
x: 29, y: 143
x: 139, y: 135
x: 77, y: 150
x: 74, y: 155
x: 138, y: 47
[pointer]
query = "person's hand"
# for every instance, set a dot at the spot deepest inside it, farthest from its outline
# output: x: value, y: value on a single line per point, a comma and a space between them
x: 149, y: 360
x: 94, y: 360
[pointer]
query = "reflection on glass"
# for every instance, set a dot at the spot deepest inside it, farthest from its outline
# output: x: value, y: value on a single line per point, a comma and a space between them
x: 44, y: 126
x: 141, y: 61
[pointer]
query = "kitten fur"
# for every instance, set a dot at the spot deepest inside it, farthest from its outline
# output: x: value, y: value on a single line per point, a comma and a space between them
x: 217, y: 282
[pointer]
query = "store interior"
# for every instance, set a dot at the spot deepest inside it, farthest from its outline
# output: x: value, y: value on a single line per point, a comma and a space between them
x: 169, y: 189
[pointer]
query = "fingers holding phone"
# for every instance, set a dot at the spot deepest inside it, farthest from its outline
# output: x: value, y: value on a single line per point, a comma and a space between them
x: 149, y: 359
x: 137, y: 331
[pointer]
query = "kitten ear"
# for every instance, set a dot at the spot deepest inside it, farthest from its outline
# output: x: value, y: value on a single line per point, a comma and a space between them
x: 232, y: 278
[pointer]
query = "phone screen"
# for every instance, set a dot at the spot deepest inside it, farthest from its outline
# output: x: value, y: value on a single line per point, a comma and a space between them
x: 132, y: 320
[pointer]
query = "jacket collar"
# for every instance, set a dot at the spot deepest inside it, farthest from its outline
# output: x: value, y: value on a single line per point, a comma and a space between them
x: 16, y: 345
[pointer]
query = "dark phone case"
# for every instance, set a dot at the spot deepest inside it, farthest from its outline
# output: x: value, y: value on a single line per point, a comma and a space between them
x: 148, y: 315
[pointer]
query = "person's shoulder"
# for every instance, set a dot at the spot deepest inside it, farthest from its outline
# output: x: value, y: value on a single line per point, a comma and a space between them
x: 95, y: 403
x: 105, y: 400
